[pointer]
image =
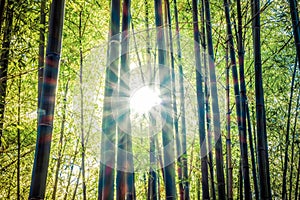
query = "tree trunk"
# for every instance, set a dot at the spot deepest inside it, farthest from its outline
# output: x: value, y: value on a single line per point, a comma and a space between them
x: 296, y: 28
x: 298, y: 178
x: 82, y: 123
x: 215, y: 106
x: 45, y: 122
x: 41, y: 50
x: 153, y: 175
x: 287, y: 136
x: 293, y: 146
x: 262, y: 145
x: 174, y: 101
x: 228, y: 137
x: 4, y: 61
x: 244, y: 107
x: 240, y: 112
x: 19, y: 140
x: 165, y: 85
x: 207, y: 103
x: 108, y: 141
x: 200, y: 104
x: 125, y: 173
x: 2, y: 6
x: 241, y: 194
x: 183, y: 157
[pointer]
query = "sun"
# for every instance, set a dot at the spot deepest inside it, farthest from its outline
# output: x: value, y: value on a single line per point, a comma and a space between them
x: 144, y: 99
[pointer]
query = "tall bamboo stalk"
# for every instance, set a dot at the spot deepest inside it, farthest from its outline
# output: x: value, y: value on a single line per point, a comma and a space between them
x: 252, y: 151
x: 240, y: 111
x: 125, y: 174
x: 174, y: 101
x: 153, y: 175
x: 244, y: 107
x: 5, y: 60
x: 41, y: 49
x: 183, y: 157
x: 82, y: 124
x: 262, y: 145
x: 108, y: 140
x: 296, y: 27
x: 46, y: 114
x: 287, y: 136
x: 228, y: 129
x: 200, y: 107
x: 215, y: 106
x: 19, y: 140
x: 207, y: 103
x: 165, y: 84
x: 298, y: 177
x: 293, y: 147
x: 2, y: 6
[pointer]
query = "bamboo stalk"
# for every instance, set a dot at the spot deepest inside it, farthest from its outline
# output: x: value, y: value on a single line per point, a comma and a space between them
x: 46, y: 114
x: 200, y: 104
x: 262, y: 145
x: 108, y: 137
x: 165, y: 83
x: 183, y: 157
x: 215, y: 106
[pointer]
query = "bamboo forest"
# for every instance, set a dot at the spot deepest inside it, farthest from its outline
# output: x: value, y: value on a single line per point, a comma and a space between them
x: 160, y: 99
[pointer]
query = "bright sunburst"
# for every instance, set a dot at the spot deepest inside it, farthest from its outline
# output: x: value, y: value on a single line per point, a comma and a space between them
x: 143, y: 100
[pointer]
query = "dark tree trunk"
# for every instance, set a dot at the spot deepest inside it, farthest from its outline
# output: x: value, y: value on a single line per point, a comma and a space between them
x: 287, y: 136
x: 262, y: 145
x: 298, y: 178
x: 167, y: 129
x: 241, y: 194
x: 2, y: 6
x: 153, y: 175
x: 41, y: 50
x: 200, y: 105
x: 125, y: 173
x: 174, y: 103
x: 183, y: 157
x: 293, y: 149
x: 296, y: 27
x: 228, y: 129
x: 215, y: 106
x: 46, y: 114
x: 244, y: 107
x: 4, y: 61
x: 240, y: 112
x: 19, y: 139
x: 108, y: 137
x: 207, y: 103
x: 82, y: 124
x: 252, y: 152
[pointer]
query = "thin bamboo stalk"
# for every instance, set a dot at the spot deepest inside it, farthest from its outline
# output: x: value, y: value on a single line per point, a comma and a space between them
x: 200, y: 104
x: 183, y: 157
x: 165, y: 83
x: 262, y: 145
x: 215, y: 106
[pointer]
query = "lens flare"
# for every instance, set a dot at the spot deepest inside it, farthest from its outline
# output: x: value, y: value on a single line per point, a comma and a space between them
x: 143, y: 100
